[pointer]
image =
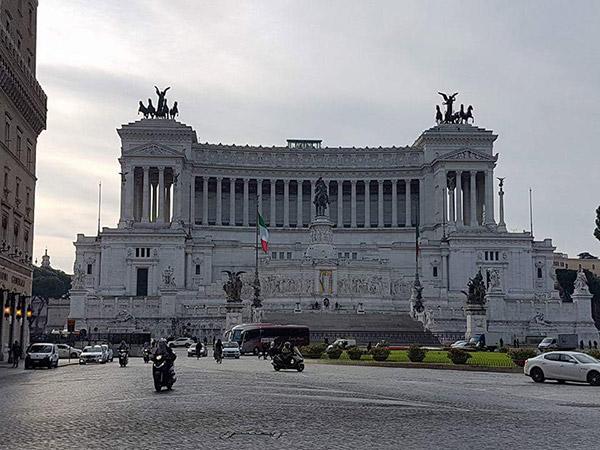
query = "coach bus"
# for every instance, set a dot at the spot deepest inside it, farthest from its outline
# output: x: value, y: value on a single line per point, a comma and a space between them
x: 250, y: 336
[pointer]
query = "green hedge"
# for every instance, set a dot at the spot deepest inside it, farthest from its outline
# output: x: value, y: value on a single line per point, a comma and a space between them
x: 458, y: 356
x: 335, y: 353
x: 380, y: 353
x: 519, y: 355
x: 594, y: 353
x: 416, y: 353
x: 313, y: 351
x: 355, y: 353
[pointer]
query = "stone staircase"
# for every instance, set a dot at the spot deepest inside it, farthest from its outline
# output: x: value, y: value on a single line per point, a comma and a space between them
x: 396, y: 328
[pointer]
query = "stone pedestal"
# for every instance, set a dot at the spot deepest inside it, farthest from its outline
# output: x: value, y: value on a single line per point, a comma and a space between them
x: 233, y: 315
x: 476, y: 320
x: 321, y: 248
x: 167, y: 302
x: 585, y: 327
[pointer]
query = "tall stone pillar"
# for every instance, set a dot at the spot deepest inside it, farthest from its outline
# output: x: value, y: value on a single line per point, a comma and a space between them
x: 489, y: 198
x: 408, y: 211
x: 161, y: 195
x: 204, y: 200
x: 273, y: 198
x: 501, y: 224
x: 459, y: 199
x: 476, y: 320
x: 420, y: 203
x: 353, y: 203
x: 394, y: 203
x: 299, y: 205
x: 177, y: 197
x: 367, y: 203
x: 259, y: 183
x: 473, y: 201
x: 286, y: 203
x: 380, y: 203
x: 192, y: 200
x: 219, y: 193
x: 313, y: 210
x: 232, y: 202
x: 340, y: 203
x: 452, y: 206
x: 245, y: 211
x: 146, y: 195
x: 167, y: 211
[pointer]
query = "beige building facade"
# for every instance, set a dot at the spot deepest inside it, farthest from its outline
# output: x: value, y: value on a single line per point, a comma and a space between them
x: 22, y: 119
x: 584, y: 261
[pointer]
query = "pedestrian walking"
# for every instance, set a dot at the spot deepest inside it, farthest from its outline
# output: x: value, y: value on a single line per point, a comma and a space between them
x: 198, y: 349
x: 218, y: 351
x: 16, y: 352
x: 205, y: 341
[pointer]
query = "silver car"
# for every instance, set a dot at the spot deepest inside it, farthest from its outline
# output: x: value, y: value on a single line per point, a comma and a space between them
x: 92, y: 354
x: 563, y: 366
x: 66, y: 351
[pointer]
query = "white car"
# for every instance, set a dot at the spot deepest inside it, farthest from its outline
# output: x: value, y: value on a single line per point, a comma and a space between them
x: 41, y: 355
x: 341, y: 343
x: 66, y: 351
x: 563, y: 366
x: 181, y: 342
x: 231, y: 350
x: 460, y: 344
x: 93, y: 354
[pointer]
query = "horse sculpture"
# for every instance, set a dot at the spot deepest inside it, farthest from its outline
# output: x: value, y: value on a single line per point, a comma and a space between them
x: 142, y: 109
x: 321, y: 199
x: 174, y: 111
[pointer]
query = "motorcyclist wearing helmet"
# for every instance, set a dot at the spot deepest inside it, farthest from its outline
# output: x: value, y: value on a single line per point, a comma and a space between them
x: 123, y: 346
x: 165, y: 351
x: 287, y: 353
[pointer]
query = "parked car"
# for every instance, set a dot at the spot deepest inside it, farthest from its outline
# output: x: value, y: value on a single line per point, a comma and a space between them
x: 460, y: 344
x: 560, y: 342
x: 93, y: 354
x: 191, y: 351
x: 181, y: 342
x: 109, y: 352
x: 66, y: 351
x: 41, y: 355
x: 563, y: 366
x: 342, y: 343
x: 231, y: 350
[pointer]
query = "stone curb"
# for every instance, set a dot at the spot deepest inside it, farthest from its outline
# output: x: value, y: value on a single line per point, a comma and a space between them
x: 408, y: 365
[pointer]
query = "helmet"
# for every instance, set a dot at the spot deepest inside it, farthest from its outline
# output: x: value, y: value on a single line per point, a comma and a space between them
x: 287, y: 344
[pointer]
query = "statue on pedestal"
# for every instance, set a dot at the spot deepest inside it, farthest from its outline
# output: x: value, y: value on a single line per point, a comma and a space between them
x: 321, y: 199
x: 476, y: 294
x: 233, y: 286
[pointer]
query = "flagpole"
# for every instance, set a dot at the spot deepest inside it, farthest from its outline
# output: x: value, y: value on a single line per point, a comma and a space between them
x: 256, y: 302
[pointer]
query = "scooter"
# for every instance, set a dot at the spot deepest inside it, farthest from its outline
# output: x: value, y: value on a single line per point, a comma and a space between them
x: 296, y: 362
x: 146, y: 355
x: 123, y: 358
x: 163, y: 373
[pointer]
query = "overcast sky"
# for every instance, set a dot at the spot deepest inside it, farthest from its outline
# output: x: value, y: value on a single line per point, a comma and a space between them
x: 348, y: 72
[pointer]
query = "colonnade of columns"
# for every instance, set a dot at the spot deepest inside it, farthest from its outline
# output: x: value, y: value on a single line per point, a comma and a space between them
x: 150, y: 194
x: 288, y: 202
x: 470, y: 198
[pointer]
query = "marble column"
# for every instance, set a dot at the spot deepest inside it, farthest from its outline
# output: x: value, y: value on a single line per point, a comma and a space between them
x: 353, y: 203
x: 394, y: 203
x: 489, y: 198
x: 408, y: 210
x: 161, y: 195
x: 380, y: 203
x: 232, y: 202
x: 259, y: 183
x: 340, y: 202
x: 286, y: 203
x: 473, y: 200
x: 452, y: 207
x: 168, y: 203
x: 299, y: 205
x: 192, y: 200
x: 219, y: 193
x: 459, y: 200
x: 204, y: 200
x: 272, y: 198
x: 146, y: 195
x: 421, y: 203
x: 246, y: 200
x: 313, y: 209
x: 367, y: 203
x: 154, y: 212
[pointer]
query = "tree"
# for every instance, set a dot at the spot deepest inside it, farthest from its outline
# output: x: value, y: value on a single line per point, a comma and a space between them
x: 50, y: 283
x: 597, y: 230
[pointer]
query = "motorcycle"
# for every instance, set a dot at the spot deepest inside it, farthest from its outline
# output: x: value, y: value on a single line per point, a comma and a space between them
x: 146, y: 355
x: 163, y: 373
x: 295, y: 362
x: 123, y: 358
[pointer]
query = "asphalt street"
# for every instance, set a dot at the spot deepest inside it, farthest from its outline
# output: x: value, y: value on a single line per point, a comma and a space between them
x: 245, y: 404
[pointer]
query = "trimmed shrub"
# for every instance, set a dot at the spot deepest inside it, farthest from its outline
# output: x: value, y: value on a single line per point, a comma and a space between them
x: 380, y: 353
x: 458, y: 356
x: 519, y: 355
x: 335, y: 353
x: 503, y: 350
x: 594, y: 353
x: 313, y: 351
x: 355, y: 353
x: 416, y: 353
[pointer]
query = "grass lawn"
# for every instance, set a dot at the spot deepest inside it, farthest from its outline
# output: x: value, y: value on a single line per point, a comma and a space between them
x: 488, y: 359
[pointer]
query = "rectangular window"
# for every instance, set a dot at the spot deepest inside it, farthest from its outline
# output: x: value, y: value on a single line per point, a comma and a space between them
x: 281, y: 255
x: 289, y: 255
x: 29, y: 161
x: 19, y: 140
x: 354, y: 255
x: 89, y: 269
x: 435, y: 271
x: 197, y: 269
x: 497, y: 256
x: 137, y: 252
x: 539, y: 272
x: 487, y: 254
x: 142, y: 282
x: 274, y: 255
x: 7, y: 133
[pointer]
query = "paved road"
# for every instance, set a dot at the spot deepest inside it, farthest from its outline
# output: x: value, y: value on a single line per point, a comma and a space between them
x: 245, y: 404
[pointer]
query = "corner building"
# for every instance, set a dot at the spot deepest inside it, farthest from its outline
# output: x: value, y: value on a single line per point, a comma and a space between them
x: 22, y: 119
x: 190, y: 207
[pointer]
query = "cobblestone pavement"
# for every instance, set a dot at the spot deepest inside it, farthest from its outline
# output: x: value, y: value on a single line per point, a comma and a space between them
x: 244, y: 404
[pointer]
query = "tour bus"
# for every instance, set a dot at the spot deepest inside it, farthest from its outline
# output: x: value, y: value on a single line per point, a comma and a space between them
x: 250, y: 335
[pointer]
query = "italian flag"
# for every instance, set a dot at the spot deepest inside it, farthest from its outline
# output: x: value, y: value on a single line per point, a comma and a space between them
x: 264, y: 234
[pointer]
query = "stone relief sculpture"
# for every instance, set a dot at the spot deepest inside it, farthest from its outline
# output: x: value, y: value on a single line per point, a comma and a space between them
x: 581, y: 284
x: 233, y: 286
x: 476, y: 294
x: 363, y: 285
x: 78, y: 277
x: 168, y: 280
x: 495, y: 280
